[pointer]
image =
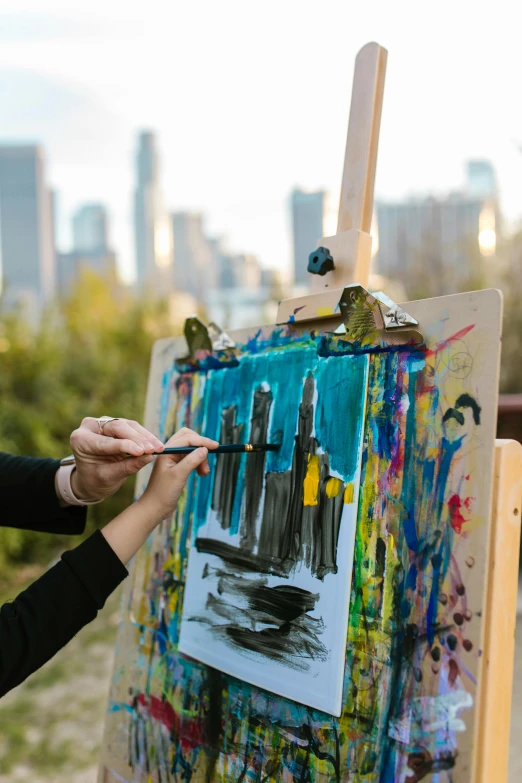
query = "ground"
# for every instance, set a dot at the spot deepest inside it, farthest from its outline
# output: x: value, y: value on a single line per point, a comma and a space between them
x: 51, y: 733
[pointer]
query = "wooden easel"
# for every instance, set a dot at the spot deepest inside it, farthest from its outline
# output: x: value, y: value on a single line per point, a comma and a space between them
x: 351, y: 250
x: 485, y: 757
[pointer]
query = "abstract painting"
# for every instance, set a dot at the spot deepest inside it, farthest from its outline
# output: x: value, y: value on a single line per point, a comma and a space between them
x: 268, y: 584
x: 413, y: 649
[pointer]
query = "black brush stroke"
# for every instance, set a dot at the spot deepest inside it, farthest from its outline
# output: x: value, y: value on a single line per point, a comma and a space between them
x: 275, y: 510
x: 242, y: 561
x: 292, y: 633
x: 255, y: 468
x: 292, y: 643
x: 327, y: 529
x: 291, y: 541
x: 227, y: 469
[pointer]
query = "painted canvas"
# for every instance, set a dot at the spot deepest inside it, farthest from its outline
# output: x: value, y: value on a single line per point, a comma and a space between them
x: 268, y: 585
x: 414, y: 644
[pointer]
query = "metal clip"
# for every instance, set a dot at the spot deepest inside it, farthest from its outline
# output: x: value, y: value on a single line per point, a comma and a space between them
x: 220, y: 339
x: 394, y: 316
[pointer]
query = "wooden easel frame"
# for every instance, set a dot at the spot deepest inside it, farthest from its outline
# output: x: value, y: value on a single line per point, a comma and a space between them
x: 351, y: 250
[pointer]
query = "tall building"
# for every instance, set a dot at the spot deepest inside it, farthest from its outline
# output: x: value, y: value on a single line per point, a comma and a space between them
x: 153, y: 235
x: 194, y: 268
x: 27, y: 253
x: 481, y: 181
x: 440, y: 241
x: 90, y: 225
x: 91, y: 249
x: 307, y: 229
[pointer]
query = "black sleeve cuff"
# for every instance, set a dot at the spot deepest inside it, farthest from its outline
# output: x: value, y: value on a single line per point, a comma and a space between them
x: 97, y: 566
x: 29, y: 501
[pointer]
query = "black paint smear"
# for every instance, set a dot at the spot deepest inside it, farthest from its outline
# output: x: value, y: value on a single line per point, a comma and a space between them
x: 451, y: 413
x: 227, y: 468
x: 291, y: 541
x: 380, y: 558
x: 328, y: 525
x: 292, y: 633
x: 422, y: 764
x: 275, y: 510
x: 282, y: 602
x: 255, y: 468
x: 242, y: 561
x: 467, y: 401
x: 291, y: 642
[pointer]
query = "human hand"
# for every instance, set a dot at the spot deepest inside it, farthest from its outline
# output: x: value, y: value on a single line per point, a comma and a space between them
x: 171, y: 472
x: 106, y: 455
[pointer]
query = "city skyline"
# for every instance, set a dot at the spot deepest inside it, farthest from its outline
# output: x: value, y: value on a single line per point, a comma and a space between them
x: 237, y: 160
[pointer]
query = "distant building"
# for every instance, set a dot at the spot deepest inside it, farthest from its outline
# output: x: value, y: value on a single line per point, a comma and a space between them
x: 195, y: 269
x: 27, y: 256
x: 153, y: 235
x: 481, y: 181
x: 243, y: 295
x: 91, y: 250
x: 90, y: 225
x: 443, y: 241
x: 71, y: 266
x: 307, y: 229
x: 240, y: 270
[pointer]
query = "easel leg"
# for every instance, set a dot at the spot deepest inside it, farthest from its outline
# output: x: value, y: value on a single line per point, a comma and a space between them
x: 494, y: 708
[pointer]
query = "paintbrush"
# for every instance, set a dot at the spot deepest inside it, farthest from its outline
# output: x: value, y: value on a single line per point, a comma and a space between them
x: 227, y: 448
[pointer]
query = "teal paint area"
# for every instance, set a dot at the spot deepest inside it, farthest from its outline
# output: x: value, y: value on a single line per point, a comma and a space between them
x: 339, y: 384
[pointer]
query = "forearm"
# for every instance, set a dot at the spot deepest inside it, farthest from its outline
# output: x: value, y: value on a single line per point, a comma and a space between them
x: 130, y: 529
x: 42, y: 619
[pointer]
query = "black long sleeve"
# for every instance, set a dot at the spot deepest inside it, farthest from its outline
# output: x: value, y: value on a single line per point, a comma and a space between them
x: 54, y: 608
x: 28, y: 497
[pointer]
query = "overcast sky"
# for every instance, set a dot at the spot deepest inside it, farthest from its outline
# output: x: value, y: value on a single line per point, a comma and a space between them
x: 249, y: 99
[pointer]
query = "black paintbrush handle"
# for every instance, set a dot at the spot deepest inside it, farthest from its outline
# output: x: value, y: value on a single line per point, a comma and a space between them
x: 227, y: 448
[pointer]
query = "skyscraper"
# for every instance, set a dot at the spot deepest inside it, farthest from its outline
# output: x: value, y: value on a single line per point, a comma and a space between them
x: 91, y: 249
x: 26, y: 227
x: 153, y: 236
x: 194, y: 270
x: 481, y: 181
x: 90, y: 225
x: 307, y: 228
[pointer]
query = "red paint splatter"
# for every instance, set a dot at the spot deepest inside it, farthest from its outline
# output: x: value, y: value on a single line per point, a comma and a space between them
x: 454, y: 671
x: 189, y: 731
x: 456, y: 517
x: 444, y: 343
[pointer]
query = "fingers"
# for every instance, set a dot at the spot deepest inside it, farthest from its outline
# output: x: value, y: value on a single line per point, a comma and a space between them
x: 87, y: 442
x: 186, y: 437
x: 158, y: 445
x: 130, y: 466
x: 123, y: 429
x: 189, y: 463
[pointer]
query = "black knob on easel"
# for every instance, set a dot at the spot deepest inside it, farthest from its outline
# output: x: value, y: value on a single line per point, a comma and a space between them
x: 320, y: 261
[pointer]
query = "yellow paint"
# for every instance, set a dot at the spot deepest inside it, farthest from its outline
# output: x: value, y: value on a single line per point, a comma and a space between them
x: 392, y: 562
x: 311, y: 482
x: 322, y: 311
x: 349, y: 493
x: 333, y: 487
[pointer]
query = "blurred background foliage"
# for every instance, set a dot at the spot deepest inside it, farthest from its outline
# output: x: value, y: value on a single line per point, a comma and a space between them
x: 88, y: 357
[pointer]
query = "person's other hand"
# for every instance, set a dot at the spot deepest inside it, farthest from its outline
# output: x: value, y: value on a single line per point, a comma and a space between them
x: 104, y: 459
x: 171, y: 472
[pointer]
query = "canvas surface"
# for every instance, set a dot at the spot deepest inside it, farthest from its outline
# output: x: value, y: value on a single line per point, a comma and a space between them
x: 411, y: 680
x: 268, y: 585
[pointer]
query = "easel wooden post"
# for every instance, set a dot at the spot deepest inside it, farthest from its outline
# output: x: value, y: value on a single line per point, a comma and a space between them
x: 351, y: 250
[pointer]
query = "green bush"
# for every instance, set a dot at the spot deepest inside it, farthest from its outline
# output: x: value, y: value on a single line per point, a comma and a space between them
x: 88, y: 357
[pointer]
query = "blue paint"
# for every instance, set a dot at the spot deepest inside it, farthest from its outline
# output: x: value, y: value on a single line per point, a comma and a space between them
x: 341, y: 384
